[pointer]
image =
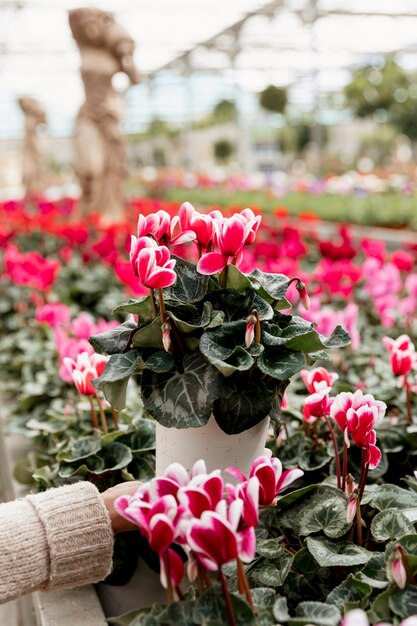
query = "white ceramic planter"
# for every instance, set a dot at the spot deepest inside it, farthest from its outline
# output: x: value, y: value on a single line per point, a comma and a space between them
x: 209, y: 442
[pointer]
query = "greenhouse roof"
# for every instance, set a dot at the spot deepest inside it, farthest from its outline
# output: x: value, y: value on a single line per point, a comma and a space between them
x: 236, y: 46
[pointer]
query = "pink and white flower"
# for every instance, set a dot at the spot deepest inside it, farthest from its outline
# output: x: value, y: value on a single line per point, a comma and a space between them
x: 317, y: 375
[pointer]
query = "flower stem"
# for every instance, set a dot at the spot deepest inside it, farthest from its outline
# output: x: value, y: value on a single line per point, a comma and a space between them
x: 344, y: 470
x: 243, y: 579
x: 102, y: 416
x: 363, y: 477
x: 224, y: 277
x: 226, y: 595
x: 336, y: 451
x: 93, y: 413
x: 115, y: 420
x: 162, y: 306
x: 359, y: 524
x: 153, y: 303
x: 170, y: 591
x: 408, y: 397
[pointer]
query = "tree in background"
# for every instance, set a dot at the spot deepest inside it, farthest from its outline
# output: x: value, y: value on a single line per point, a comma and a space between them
x: 388, y: 89
x: 223, y: 150
x: 273, y: 99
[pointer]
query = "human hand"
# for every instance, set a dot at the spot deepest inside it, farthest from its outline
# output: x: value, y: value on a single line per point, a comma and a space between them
x: 118, y: 523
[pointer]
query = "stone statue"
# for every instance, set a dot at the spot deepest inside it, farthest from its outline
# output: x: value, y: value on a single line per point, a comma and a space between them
x: 33, y: 166
x: 101, y: 163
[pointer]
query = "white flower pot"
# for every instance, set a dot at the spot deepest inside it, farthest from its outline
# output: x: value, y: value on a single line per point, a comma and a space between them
x: 209, y: 442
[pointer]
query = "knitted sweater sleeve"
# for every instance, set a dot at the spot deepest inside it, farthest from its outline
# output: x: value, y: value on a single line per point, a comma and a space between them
x: 52, y: 540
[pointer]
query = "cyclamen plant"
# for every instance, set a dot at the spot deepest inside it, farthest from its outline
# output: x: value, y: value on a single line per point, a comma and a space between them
x: 198, y: 517
x: 208, y: 339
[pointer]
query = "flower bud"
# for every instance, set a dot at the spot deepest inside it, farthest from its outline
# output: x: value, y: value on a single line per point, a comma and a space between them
x: 351, y: 508
x: 166, y: 335
x: 250, y: 329
x: 397, y: 571
x: 304, y: 297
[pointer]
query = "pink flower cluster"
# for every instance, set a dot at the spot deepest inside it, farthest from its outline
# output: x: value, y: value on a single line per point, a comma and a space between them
x: 230, y: 236
x: 213, y: 522
x: 30, y: 269
x: 85, y: 368
x: 403, y: 356
x: 71, y: 336
x: 355, y: 414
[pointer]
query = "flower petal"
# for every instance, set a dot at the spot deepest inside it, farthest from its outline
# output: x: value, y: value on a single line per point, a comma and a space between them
x: 211, y: 263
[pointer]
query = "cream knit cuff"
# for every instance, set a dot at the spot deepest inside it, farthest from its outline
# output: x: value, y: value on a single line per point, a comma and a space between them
x: 78, y: 533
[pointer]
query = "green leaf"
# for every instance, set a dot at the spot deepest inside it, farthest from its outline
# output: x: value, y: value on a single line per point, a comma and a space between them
x: 45, y: 476
x: 333, y: 554
x: 273, y: 285
x: 281, y: 363
x: 149, y: 335
x: 236, y: 280
x: 317, y: 613
x: 143, y: 438
x: 190, y: 286
x: 322, y: 510
x: 280, y: 610
x: 241, y: 404
x: 223, y: 348
x: 80, y: 448
x: 374, y: 572
x: 265, y: 310
x: 351, y: 593
x: 380, y: 605
x: 178, y: 613
x: 311, y: 341
x: 234, y: 305
x: 390, y: 524
x: 115, y: 377
x: 50, y: 425
x: 389, y: 496
x: 183, y: 399
x: 116, y: 455
x: 404, y: 602
x: 160, y: 362
x: 191, y: 320
x: 273, y: 573
x: 113, y: 341
x: 142, y: 307
x: 210, y: 609
x: 263, y: 597
x: 269, y: 548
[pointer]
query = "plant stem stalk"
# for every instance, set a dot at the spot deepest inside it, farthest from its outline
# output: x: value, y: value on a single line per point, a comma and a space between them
x: 115, y: 420
x: 162, y: 306
x: 408, y: 397
x: 359, y: 524
x: 102, y: 416
x: 93, y: 413
x: 336, y: 450
x: 246, y: 589
x: 344, y: 470
x: 170, y: 591
x: 153, y: 303
x: 363, y: 477
x: 224, y: 277
x: 226, y: 595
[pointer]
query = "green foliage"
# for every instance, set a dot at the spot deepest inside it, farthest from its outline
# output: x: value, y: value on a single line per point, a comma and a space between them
x: 273, y: 99
x: 223, y: 150
x: 207, y: 369
x: 389, y: 89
